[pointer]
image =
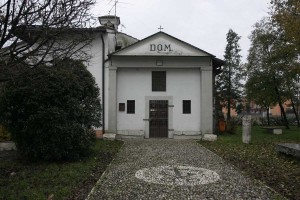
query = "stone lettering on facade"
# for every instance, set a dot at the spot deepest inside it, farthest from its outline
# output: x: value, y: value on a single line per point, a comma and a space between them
x: 152, y: 47
x: 161, y: 47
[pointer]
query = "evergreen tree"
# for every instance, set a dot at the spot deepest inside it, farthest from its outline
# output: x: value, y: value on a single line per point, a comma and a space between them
x: 228, y: 85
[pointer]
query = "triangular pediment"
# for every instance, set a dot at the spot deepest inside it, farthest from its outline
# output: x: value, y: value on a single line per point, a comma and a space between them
x: 161, y: 44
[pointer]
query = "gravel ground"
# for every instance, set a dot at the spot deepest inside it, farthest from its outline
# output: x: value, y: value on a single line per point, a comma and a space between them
x: 119, y: 181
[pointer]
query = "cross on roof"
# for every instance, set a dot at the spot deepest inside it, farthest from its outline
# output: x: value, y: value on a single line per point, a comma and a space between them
x: 160, y: 28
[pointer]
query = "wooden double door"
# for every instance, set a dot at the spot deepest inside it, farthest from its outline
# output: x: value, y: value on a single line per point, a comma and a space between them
x: 158, y: 114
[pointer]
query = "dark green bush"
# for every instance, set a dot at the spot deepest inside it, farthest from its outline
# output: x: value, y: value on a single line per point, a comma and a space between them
x: 50, y: 111
x: 231, y: 127
x: 4, y: 135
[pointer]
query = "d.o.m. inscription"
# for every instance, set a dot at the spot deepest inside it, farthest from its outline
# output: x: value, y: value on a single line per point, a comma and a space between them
x: 161, y: 47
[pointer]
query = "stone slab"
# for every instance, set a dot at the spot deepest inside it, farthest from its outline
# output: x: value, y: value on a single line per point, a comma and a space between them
x: 120, y: 136
x: 131, y: 132
x: 109, y: 136
x: 292, y: 149
x: 187, y: 137
x: 209, y: 137
x: 7, y: 146
x: 197, y: 133
x: 277, y: 131
x: 274, y: 130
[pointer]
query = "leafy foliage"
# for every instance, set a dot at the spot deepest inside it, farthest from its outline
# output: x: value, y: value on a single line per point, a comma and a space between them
x: 287, y: 15
x: 50, y: 111
x: 272, y: 66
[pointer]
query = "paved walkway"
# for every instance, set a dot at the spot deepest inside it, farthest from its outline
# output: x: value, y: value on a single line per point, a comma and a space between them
x: 165, y: 166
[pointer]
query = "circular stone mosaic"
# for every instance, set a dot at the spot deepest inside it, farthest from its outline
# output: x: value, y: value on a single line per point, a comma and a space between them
x: 177, y: 175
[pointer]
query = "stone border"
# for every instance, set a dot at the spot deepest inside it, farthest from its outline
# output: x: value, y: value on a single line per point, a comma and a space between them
x: 103, y: 174
x: 7, y: 146
x: 292, y: 149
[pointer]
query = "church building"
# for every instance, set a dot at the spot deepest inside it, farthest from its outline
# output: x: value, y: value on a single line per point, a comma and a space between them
x: 157, y: 87
x: 161, y: 87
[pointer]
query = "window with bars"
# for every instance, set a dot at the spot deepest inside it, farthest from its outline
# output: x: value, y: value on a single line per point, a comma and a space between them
x: 186, y: 106
x: 158, y: 81
x: 130, y: 106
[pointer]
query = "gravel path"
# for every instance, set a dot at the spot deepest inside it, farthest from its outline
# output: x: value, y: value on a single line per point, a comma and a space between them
x: 120, y: 182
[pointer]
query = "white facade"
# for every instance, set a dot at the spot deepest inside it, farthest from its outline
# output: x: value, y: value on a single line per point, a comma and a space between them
x: 188, y: 76
x: 123, y: 67
x: 156, y: 87
x: 135, y: 84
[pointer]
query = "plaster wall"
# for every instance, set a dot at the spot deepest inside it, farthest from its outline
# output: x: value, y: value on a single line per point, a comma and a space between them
x: 136, y: 84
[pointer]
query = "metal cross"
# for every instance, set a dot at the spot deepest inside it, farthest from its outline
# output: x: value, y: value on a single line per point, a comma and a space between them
x: 160, y: 28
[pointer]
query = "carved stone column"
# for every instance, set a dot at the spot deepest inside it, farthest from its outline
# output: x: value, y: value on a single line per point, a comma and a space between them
x: 247, y: 129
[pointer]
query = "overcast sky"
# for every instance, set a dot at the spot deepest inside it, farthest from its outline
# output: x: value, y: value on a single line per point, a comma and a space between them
x: 202, y: 23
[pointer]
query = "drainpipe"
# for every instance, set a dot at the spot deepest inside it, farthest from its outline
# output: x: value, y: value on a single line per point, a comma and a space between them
x: 103, y: 85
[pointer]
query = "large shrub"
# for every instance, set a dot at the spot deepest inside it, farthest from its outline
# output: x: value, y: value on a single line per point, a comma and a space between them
x: 4, y: 135
x: 50, y: 111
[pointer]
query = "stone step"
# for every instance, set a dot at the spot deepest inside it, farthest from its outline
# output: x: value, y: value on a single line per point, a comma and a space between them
x: 209, y: 137
x: 109, y: 136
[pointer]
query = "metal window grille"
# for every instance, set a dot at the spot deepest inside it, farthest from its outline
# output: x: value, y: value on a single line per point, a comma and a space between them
x: 158, y: 81
x: 186, y: 106
x: 130, y: 106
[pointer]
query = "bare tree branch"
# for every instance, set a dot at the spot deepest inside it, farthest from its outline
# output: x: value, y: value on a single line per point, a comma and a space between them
x: 33, y: 32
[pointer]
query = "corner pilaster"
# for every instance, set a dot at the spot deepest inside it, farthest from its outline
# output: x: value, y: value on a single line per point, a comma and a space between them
x: 112, y: 100
x: 206, y: 92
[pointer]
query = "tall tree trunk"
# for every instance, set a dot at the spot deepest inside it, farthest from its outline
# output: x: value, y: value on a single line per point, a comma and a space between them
x: 228, y: 109
x: 280, y: 104
x: 295, y: 112
x: 268, y: 116
x: 229, y: 95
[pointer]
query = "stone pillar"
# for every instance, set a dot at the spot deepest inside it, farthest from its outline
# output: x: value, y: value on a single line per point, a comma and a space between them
x: 112, y: 100
x: 206, y: 93
x: 246, y: 129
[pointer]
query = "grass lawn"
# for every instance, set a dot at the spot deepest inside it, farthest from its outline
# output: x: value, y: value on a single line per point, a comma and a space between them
x: 72, y: 180
x: 259, y: 159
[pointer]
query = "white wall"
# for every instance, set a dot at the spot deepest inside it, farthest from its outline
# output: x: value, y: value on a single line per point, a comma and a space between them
x: 182, y: 84
x: 95, y: 63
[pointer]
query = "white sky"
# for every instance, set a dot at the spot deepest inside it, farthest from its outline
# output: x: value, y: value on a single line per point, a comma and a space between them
x: 202, y: 23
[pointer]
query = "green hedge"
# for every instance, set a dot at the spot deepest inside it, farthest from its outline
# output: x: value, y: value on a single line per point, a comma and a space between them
x: 50, y: 111
x: 4, y: 135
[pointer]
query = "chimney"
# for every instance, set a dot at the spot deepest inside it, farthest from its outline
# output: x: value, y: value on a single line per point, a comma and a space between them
x: 110, y: 21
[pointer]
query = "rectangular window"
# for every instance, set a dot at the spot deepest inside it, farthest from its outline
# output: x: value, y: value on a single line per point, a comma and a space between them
x: 186, y: 106
x: 130, y: 106
x: 158, y: 81
x: 121, y: 106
